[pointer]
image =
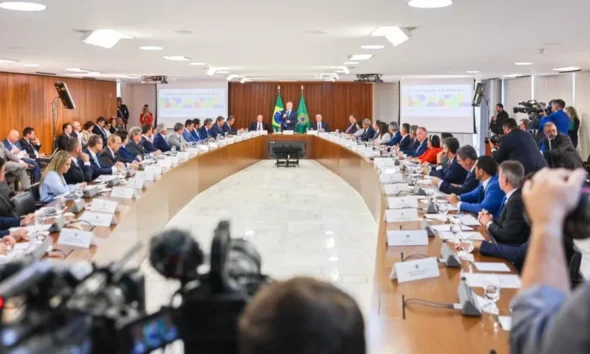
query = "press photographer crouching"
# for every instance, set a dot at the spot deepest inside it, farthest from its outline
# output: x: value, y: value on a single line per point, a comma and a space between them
x: 547, y: 316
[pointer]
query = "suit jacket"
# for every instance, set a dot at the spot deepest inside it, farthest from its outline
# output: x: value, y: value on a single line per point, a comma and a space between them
x: 453, y: 173
x: 6, y: 222
x: 78, y: 173
x: 135, y: 149
x: 195, y: 134
x: 405, y: 142
x: 97, y: 167
x: 123, y: 112
x: 510, y: 227
x: 512, y: 253
x: 369, y: 134
x: 395, y: 139
x: 187, y: 136
x: 107, y: 158
x: 351, y: 129
x: 100, y: 132
x: 215, y: 131
x: 228, y: 129
x: 147, y: 145
x: 470, y: 184
x: 323, y: 125
x: 416, y: 149
x: 175, y: 140
x: 124, y: 156
x: 204, y: 133
x: 62, y: 141
x: 292, y: 118
x: 473, y: 202
x: 560, y: 153
x: 160, y: 143
x: 520, y: 146
x: 29, y: 147
x: 254, y: 126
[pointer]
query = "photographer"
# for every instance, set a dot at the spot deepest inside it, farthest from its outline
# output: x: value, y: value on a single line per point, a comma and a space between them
x: 518, y: 145
x: 546, y: 317
x: 557, y: 117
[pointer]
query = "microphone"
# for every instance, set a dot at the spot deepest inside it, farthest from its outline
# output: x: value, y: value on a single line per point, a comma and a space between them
x: 175, y: 254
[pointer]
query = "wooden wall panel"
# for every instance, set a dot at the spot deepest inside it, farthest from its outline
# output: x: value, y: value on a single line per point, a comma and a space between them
x: 335, y: 101
x: 25, y: 100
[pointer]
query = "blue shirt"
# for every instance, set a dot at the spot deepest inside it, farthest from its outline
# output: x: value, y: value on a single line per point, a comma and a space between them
x: 54, y: 185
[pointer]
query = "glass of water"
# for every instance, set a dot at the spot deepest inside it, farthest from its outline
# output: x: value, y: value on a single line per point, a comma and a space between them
x: 467, y: 243
x: 443, y: 208
x: 39, y: 222
x: 79, y: 190
x: 173, y: 148
x: 491, y: 291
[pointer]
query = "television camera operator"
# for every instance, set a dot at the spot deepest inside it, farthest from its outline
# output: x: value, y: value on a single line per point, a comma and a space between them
x: 547, y: 316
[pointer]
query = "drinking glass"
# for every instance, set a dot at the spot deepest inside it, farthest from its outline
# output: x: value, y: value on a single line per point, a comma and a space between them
x: 467, y: 243
x: 79, y: 190
x: 39, y: 222
x: 491, y: 291
x: 173, y: 148
x: 443, y: 208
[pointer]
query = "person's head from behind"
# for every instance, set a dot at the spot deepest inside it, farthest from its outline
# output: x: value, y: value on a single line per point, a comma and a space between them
x: 197, y: 123
x: 572, y: 113
x: 352, y: 119
x: 550, y: 130
x: 443, y: 136
x: 146, y: 130
x: 523, y: 124
x: 101, y: 122
x: 219, y: 121
x: 88, y: 126
x: 393, y: 127
x: 499, y: 107
x: 406, y: 129
x: 434, y: 141
x: 509, y: 125
x: 161, y: 128
x: 259, y: 118
x: 557, y: 105
x: 485, y: 167
x: 301, y: 316
x: 510, y: 175
x: 413, y: 130
x: 366, y: 123
x: 467, y: 157
x: 114, y: 142
x: 67, y: 128
x: 73, y: 147
x: 421, y: 134
x: 95, y: 143
x: 382, y: 128
x: 451, y: 146
x: 189, y: 125
x: 60, y: 163
x: 178, y: 128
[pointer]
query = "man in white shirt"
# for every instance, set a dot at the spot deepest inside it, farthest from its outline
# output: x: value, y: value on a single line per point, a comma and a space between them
x: 259, y: 125
x: 320, y: 125
x: 12, y: 144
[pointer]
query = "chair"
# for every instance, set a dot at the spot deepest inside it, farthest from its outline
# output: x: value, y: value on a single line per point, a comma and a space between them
x: 576, y: 277
x: 36, y: 194
x: 24, y: 203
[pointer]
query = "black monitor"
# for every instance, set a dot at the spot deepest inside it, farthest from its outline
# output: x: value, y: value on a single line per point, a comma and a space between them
x: 64, y: 95
x: 477, y: 95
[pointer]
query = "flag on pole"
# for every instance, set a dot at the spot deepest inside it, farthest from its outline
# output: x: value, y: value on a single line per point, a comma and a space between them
x: 277, y: 119
x: 302, y: 116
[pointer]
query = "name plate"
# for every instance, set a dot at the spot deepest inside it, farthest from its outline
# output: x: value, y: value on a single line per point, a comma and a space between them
x: 123, y: 193
x: 391, y: 178
x: 402, y: 202
x: 147, y: 175
x: 288, y: 132
x: 407, y: 238
x: 136, y: 183
x: 204, y: 147
x: 390, y: 170
x: 75, y: 238
x: 103, y: 206
x: 401, y: 215
x: 263, y: 132
x: 98, y: 219
x: 415, y: 270
x: 396, y: 188
x: 382, y: 162
x: 175, y: 160
x: 312, y: 132
x: 182, y: 155
x: 165, y: 163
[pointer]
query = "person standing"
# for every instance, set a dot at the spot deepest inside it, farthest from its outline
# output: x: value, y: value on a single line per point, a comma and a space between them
x: 498, y: 120
x: 289, y: 117
x: 518, y: 145
x: 122, y: 111
x: 574, y: 124
x: 146, y: 117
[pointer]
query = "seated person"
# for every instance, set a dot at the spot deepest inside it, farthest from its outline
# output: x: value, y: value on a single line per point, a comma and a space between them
x: 134, y: 146
x: 453, y: 173
x: 108, y: 155
x: 160, y: 142
x: 9, y: 238
x: 6, y: 194
x: 228, y: 126
x: 53, y: 183
x: 487, y: 196
x: 146, y: 139
x: 205, y: 131
x: 12, y: 144
x: 319, y: 124
x: 259, y: 125
x: 368, y: 131
x: 30, y: 143
x: 405, y: 141
x: 394, y: 133
x: 466, y: 157
x: 93, y: 149
x: 559, y: 151
x: 359, y: 130
x: 432, y: 150
x: 419, y: 146
x: 15, y: 167
x: 86, y: 133
x: 301, y: 315
x: 382, y: 134
x: 175, y: 139
x: 510, y: 227
x: 187, y: 132
x: 195, y: 132
x: 216, y: 129
x: 80, y: 169
x: 122, y: 154
x: 67, y: 133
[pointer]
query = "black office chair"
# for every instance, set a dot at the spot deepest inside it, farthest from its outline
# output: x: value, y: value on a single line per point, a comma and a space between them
x: 24, y: 203
x: 576, y: 277
x: 36, y: 194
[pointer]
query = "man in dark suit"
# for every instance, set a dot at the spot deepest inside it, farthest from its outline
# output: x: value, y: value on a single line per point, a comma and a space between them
x: 259, y: 125
x: 289, y: 117
x: 351, y: 129
x: 66, y: 134
x: 466, y: 157
x: 100, y: 130
x: 405, y: 141
x: 510, y: 227
x: 160, y: 141
x: 146, y: 139
x: 134, y: 146
x: 81, y: 169
x: 217, y: 128
x: 518, y: 145
x: 454, y: 173
x: 369, y: 132
x: 187, y: 132
x: 195, y: 132
x: 420, y: 144
x: 204, y: 132
x: 108, y: 155
x: 559, y: 150
x: 93, y: 148
x: 498, y: 120
x: 228, y: 126
x: 30, y: 143
x: 12, y: 144
x: 396, y: 136
x: 122, y: 111
x: 319, y: 124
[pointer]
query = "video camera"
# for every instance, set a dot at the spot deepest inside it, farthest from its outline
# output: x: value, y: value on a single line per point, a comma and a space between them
x: 532, y: 108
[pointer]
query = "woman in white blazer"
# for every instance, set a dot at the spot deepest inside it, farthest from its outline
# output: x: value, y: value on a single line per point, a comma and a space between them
x: 382, y: 135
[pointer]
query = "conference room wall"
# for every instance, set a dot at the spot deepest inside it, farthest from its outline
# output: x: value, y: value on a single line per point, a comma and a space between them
x: 135, y: 96
x: 386, y: 102
x: 25, y: 100
x: 517, y: 90
x: 547, y: 88
x: 334, y: 100
x: 582, y: 104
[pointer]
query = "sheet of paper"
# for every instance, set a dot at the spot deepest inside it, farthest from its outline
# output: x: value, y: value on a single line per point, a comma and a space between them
x: 447, y: 227
x: 21, y: 246
x: 505, y: 322
x: 467, y: 219
x: 478, y: 280
x: 491, y: 267
x: 448, y: 235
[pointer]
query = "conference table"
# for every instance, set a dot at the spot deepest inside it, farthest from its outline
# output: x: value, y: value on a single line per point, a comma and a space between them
x: 390, y: 327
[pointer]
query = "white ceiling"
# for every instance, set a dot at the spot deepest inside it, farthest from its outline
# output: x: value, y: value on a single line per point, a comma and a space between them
x: 277, y: 39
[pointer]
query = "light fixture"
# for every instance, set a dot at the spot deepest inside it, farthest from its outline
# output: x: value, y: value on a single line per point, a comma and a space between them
x: 567, y: 69
x: 8, y: 61
x: 245, y: 79
x: 523, y: 63
x: 31, y: 65
x: 472, y: 71
x: 176, y: 58
x: 232, y: 76
x: 222, y: 72
x: 105, y: 38
x: 394, y: 34
x: 355, y: 57
x: 150, y: 47
x: 512, y: 76
x: 351, y: 63
x: 211, y: 71
x: 430, y: 4
x: 344, y: 70
x: 373, y: 46
x: 22, y: 6
x: 197, y: 64
x: 329, y: 76
x: 77, y: 70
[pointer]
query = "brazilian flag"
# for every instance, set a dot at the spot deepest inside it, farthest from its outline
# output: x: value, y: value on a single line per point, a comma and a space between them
x: 277, y: 119
x: 302, y: 116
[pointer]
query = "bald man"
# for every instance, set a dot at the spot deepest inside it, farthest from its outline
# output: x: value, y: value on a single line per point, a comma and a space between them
x: 12, y: 144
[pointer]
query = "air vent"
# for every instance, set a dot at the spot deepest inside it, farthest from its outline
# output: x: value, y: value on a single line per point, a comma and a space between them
x: 46, y: 74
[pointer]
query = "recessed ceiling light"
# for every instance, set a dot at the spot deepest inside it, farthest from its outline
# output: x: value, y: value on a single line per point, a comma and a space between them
x: 105, y: 38
x: 31, y: 65
x: 222, y: 72
x: 373, y: 46
x: 344, y: 69
x: 472, y: 71
x: 351, y: 63
x: 567, y: 68
x: 22, y: 6
x: 211, y: 71
x: 394, y: 34
x: 512, y: 75
x: 197, y: 64
x: 523, y: 63
x: 7, y: 61
x: 355, y: 57
x: 77, y: 70
x: 245, y: 79
x: 232, y: 76
x: 430, y: 4
x: 150, y: 47
x: 176, y: 58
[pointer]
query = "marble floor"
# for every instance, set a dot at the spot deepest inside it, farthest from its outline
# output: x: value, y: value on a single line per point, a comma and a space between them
x: 303, y: 221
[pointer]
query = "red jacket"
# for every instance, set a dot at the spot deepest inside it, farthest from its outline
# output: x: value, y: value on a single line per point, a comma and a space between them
x: 430, y: 155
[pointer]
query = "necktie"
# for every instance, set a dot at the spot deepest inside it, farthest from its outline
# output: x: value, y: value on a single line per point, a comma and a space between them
x: 96, y: 161
x: 259, y: 126
x: 349, y: 127
x: 502, y: 204
x: 319, y: 126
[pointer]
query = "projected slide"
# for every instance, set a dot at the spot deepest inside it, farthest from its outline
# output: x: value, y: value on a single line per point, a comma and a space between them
x: 437, y: 101
x: 192, y: 103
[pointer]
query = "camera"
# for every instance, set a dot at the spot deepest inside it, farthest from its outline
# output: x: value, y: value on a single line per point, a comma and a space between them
x: 532, y: 108
x: 494, y: 139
